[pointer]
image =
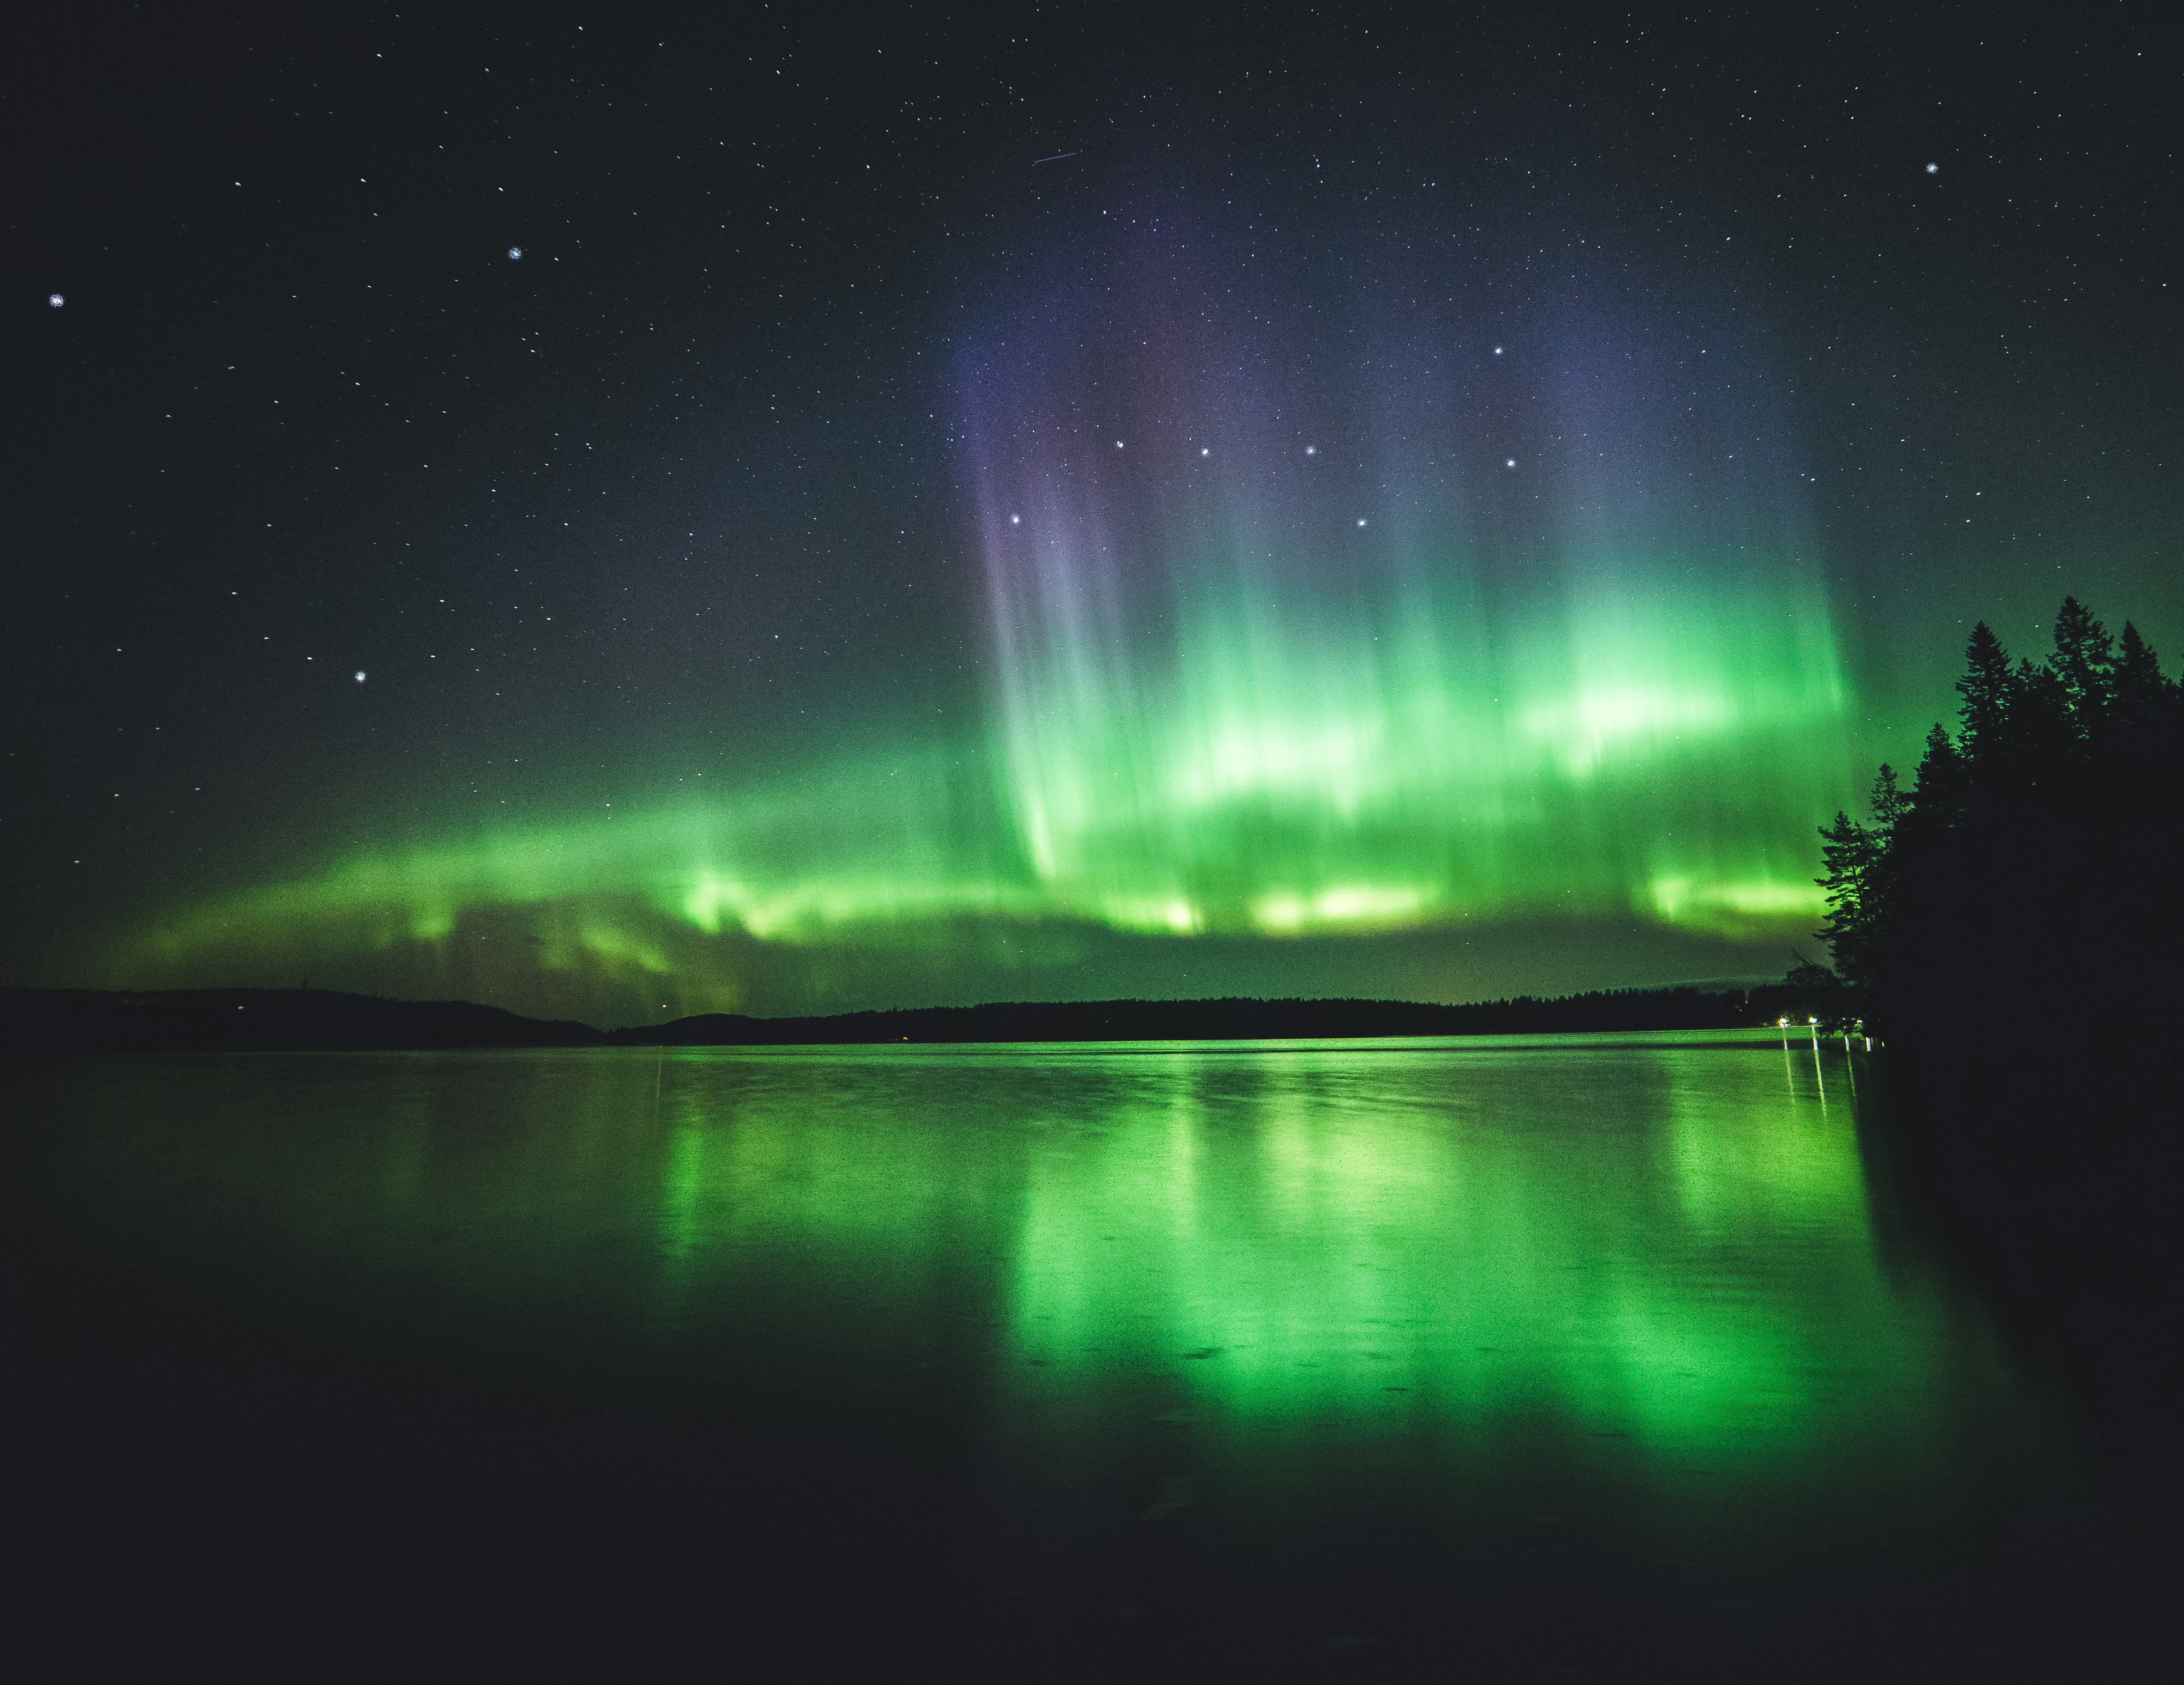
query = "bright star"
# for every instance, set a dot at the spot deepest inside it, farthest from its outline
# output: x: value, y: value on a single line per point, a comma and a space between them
x: 1498, y: 351
x: 1016, y: 520
x: 1202, y: 451
x: 1932, y: 168
x: 1118, y: 444
x: 1311, y: 450
x: 55, y: 300
x: 1511, y: 462
x: 360, y: 675
x: 516, y: 251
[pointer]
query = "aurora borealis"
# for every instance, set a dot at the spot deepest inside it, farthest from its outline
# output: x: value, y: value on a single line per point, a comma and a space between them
x: 1222, y: 701
x: 1324, y: 527
x: 1252, y: 678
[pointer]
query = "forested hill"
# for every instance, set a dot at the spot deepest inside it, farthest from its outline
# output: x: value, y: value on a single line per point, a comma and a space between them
x: 256, y: 1020
x: 2028, y: 881
x: 1246, y: 1020
x: 89, y: 1021
x: 2012, y: 920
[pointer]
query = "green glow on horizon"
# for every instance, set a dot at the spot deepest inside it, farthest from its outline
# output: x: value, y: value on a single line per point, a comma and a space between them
x: 1657, y: 752
x: 1232, y: 687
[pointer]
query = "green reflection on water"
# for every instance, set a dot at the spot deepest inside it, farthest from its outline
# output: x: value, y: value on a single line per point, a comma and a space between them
x: 1663, y: 1254
x: 1662, y: 1245
x: 1647, y: 1270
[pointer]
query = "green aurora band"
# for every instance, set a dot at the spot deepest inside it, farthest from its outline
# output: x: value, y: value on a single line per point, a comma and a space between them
x: 1670, y: 779
x: 1240, y: 685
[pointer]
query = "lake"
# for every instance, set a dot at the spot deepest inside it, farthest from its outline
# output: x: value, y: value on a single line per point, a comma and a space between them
x: 1553, y: 1354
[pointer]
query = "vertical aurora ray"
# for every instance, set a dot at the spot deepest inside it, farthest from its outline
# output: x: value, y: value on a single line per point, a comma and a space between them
x: 1390, y: 626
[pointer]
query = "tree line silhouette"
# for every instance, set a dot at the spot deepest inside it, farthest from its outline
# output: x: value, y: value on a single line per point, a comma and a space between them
x: 2025, y: 887
x: 239, y: 1020
x: 2025, y: 869
x: 2009, y: 922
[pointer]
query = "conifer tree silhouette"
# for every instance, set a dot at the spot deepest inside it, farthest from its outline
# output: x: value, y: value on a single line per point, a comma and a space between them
x: 1988, y: 688
x: 2083, y: 663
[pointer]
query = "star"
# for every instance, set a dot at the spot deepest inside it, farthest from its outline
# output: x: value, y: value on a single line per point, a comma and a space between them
x: 1511, y: 462
x: 1311, y: 450
x: 1361, y: 523
x: 1498, y: 351
x: 1933, y: 168
x: 360, y: 675
x: 1016, y: 520
x: 516, y: 251
x: 55, y: 300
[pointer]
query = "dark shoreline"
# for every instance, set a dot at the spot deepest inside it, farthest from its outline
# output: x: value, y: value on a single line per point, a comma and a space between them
x: 305, y: 1020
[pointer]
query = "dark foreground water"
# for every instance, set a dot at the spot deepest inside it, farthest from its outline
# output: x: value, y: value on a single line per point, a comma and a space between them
x: 1558, y: 1359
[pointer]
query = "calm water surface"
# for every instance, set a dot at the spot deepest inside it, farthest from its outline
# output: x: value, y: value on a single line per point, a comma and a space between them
x: 1567, y: 1342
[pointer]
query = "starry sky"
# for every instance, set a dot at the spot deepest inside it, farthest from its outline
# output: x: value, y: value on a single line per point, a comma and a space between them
x: 778, y: 509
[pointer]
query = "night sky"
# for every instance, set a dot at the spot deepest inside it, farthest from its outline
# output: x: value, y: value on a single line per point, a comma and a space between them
x: 783, y: 510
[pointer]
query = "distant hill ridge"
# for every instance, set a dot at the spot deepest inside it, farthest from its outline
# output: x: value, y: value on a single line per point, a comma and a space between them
x: 1229, y: 1020
x: 301, y: 1020
x: 100, y: 1021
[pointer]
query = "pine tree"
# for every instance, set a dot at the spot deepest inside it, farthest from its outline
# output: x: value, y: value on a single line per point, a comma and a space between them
x: 2083, y: 665
x: 1938, y: 794
x: 1854, y: 853
x: 1988, y: 688
x: 1889, y: 803
x: 2140, y: 692
x: 2040, y: 733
